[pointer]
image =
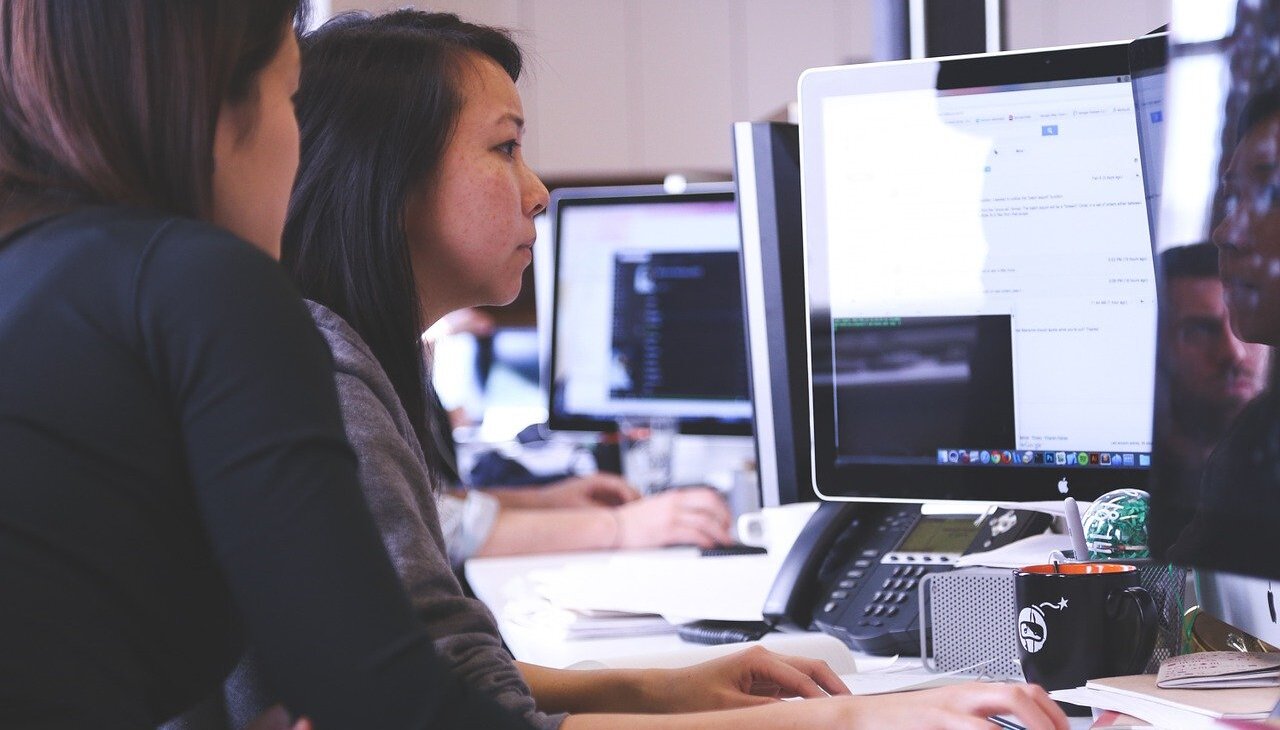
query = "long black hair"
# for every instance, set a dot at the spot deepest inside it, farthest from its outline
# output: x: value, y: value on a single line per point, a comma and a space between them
x: 117, y: 101
x: 377, y: 104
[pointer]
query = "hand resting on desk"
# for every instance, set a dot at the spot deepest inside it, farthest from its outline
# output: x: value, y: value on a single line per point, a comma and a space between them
x: 745, y: 690
x: 958, y: 707
x: 749, y: 677
x: 754, y: 676
x: 689, y: 515
x: 593, y: 490
x: 601, y: 512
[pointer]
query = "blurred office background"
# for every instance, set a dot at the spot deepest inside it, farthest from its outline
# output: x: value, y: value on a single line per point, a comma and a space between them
x: 629, y: 91
x: 635, y: 89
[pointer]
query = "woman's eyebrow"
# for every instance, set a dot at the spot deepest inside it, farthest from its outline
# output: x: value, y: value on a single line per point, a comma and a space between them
x: 512, y: 117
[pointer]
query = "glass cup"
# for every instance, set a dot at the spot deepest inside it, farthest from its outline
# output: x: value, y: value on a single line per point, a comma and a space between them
x: 645, y: 445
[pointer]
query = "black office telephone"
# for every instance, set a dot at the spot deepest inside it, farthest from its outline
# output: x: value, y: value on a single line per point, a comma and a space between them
x: 855, y: 569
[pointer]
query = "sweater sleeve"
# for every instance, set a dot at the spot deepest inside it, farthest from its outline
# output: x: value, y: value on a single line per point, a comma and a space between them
x: 399, y: 494
x: 251, y: 392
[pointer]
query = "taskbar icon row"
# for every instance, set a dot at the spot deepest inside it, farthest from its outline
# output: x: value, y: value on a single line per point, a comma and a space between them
x: 1002, y: 457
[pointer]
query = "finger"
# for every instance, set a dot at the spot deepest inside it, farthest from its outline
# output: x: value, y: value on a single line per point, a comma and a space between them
x: 612, y: 488
x: 1051, y: 708
x: 969, y: 722
x: 734, y: 698
x: 1053, y: 718
x: 680, y: 534
x: 791, y: 682
x: 708, y: 501
x: 820, y: 672
x: 1004, y: 699
x: 707, y: 525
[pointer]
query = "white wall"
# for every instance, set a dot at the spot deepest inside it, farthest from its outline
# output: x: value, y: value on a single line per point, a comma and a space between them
x: 645, y: 87
x: 1041, y: 23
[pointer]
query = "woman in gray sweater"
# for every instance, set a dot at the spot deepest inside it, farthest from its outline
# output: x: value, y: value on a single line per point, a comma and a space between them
x: 413, y: 200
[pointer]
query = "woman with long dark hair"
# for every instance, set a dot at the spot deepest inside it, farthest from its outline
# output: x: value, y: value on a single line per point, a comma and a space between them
x: 413, y: 200
x: 175, y: 473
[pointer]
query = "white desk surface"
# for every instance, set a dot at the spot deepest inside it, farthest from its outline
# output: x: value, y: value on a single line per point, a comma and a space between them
x: 492, y: 578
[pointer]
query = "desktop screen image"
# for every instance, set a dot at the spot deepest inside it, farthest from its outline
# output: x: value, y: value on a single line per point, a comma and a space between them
x: 648, y: 316
x: 929, y: 380
x: 980, y: 277
x: 1216, y: 485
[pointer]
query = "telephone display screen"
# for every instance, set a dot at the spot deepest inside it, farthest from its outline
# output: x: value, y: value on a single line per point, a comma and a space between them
x: 939, y: 535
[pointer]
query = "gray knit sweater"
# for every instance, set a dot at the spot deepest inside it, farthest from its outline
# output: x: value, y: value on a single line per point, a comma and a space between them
x: 402, y: 497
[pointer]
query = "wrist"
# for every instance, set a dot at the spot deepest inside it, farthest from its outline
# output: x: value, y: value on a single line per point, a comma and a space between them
x: 619, y: 531
x: 643, y: 690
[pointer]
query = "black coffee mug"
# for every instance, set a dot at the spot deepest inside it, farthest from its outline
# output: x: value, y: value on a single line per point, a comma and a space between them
x: 1081, y: 621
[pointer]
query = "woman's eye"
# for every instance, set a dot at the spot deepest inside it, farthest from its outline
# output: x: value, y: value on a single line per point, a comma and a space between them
x: 1230, y: 203
x: 509, y: 148
x: 1272, y: 196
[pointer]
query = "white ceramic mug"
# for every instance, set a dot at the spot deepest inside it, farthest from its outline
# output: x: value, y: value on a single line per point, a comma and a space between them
x: 775, y: 528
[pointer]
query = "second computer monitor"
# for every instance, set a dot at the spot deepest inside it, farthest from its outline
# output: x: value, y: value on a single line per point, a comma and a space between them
x: 648, y: 316
x: 979, y: 276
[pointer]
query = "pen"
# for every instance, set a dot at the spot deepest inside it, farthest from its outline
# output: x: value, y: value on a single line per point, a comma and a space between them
x: 1006, y: 724
x: 1076, y: 530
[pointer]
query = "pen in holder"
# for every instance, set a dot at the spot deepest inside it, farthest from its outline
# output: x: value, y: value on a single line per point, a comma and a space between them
x: 1075, y: 528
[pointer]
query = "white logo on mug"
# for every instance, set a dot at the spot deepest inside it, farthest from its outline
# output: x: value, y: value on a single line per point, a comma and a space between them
x: 1033, y: 630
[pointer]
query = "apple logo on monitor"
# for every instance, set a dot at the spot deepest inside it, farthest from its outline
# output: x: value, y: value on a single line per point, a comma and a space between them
x: 1063, y: 487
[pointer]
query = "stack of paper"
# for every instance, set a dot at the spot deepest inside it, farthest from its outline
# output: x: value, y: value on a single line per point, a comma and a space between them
x: 678, y: 587
x: 1138, y: 695
x: 1220, y: 670
x: 542, y: 616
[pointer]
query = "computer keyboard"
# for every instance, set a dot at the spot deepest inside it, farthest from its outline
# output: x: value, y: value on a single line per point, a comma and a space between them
x: 720, y: 551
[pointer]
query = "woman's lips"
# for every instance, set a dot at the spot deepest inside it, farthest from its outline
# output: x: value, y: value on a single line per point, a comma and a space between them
x: 1240, y: 293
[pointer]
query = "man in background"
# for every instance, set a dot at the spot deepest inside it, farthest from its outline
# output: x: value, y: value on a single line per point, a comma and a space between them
x: 1208, y: 376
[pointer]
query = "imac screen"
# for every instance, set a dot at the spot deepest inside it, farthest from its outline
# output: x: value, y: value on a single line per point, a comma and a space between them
x: 980, y: 277
x: 648, y: 317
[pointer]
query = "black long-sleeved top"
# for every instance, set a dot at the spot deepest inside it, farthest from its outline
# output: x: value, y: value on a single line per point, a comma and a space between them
x: 174, y: 479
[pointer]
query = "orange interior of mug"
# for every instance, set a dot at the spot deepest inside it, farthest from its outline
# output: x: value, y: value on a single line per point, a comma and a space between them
x: 1078, y: 569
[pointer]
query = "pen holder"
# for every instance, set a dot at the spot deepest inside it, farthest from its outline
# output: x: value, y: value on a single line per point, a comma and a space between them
x: 1167, y: 586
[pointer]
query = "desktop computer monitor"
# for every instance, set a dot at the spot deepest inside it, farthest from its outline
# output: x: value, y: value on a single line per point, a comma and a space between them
x: 980, y: 277
x: 767, y: 180
x: 647, y: 312
x: 1216, y: 482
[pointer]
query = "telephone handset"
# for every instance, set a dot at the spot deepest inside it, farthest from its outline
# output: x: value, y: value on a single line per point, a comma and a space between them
x: 855, y: 568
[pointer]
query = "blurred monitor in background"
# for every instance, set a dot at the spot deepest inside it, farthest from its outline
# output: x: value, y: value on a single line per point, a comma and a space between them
x: 647, y: 313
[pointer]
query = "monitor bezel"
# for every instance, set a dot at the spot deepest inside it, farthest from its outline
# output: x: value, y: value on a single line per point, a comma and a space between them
x: 919, y: 483
x: 566, y: 198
